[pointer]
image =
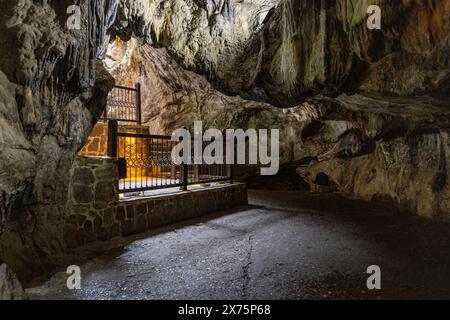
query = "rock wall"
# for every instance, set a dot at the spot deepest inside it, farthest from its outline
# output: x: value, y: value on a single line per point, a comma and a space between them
x: 52, y: 91
x: 204, y: 36
x: 395, y: 150
x: 173, y: 97
x: 290, y: 53
x: 10, y: 287
x: 325, y: 47
x: 371, y: 147
x: 284, y: 52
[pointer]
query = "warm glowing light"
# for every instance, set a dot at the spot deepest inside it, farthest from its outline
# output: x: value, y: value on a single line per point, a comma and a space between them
x: 140, y: 164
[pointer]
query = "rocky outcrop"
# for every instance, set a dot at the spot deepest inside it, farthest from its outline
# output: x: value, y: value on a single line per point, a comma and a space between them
x: 381, y: 147
x: 173, y: 98
x: 284, y: 52
x: 203, y: 35
x: 367, y: 147
x: 52, y: 91
x: 389, y: 149
x: 10, y: 287
x: 325, y: 47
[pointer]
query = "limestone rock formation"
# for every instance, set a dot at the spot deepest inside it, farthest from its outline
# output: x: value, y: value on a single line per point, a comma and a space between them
x: 374, y: 144
x: 365, y: 111
x: 10, y: 287
x: 204, y: 35
x: 52, y: 91
x: 312, y: 47
x: 379, y: 148
x: 367, y: 147
x: 284, y: 52
x: 173, y: 98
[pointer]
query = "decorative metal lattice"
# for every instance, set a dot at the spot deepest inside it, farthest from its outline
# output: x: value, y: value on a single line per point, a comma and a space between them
x: 149, y: 165
x: 124, y: 104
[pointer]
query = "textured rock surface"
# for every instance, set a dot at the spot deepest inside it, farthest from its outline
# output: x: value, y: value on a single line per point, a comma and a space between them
x: 173, y: 98
x: 395, y: 150
x: 10, y: 287
x: 204, y: 35
x: 325, y: 47
x: 379, y: 147
x: 288, y: 52
x: 52, y: 90
x: 371, y: 147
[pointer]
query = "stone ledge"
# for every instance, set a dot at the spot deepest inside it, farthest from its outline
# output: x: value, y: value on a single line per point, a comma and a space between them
x: 180, y: 193
x: 137, y: 215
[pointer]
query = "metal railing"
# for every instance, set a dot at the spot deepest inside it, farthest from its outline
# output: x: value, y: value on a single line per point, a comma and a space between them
x: 145, y: 163
x: 124, y: 104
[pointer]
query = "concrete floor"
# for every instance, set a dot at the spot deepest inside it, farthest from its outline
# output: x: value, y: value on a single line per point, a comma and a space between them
x: 275, y: 249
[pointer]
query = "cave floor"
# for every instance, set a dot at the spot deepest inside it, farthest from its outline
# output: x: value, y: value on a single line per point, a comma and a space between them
x: 274, y: 249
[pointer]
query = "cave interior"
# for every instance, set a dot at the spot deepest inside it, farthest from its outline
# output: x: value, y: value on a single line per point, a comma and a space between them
x: 90, y: 93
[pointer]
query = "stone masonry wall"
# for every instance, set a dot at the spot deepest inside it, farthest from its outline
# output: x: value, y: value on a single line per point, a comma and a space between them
x: 94, y: 212
x: 92, y: 197
x: 97, y: 144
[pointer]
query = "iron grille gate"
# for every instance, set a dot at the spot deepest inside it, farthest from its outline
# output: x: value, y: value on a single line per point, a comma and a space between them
x: 124, y: 104
x: 147, y: 163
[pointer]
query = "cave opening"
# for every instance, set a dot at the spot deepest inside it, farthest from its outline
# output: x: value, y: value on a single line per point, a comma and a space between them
x: 323, y: 179
x: 323, y: 183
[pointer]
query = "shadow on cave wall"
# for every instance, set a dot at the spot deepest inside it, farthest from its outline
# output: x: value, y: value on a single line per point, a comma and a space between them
x: 285, y: 180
